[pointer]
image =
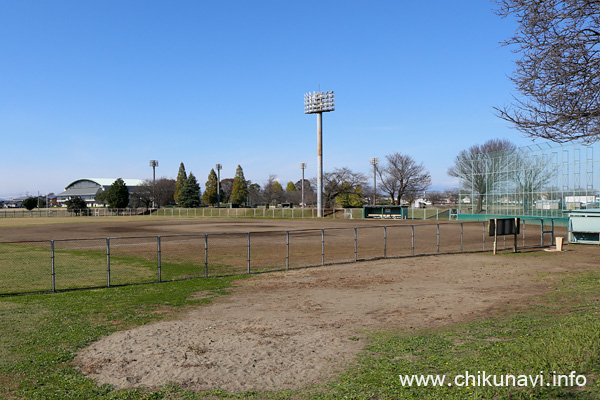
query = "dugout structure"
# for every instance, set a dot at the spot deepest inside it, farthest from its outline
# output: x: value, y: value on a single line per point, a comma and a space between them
x: 542, y: 180
x: 392, y: 212
x: 584, y: 226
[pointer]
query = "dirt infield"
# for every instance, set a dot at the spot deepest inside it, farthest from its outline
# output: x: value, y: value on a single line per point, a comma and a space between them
x: 34, y: 229
x: 288, y: 330
x: 30, y: 229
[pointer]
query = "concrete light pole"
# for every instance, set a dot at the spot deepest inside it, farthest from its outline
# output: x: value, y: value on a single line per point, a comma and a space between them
x: 318, y: 103
x: 153, y: 164
x: 374, y: 161
x: 219, y: 168
x: 302, y: 167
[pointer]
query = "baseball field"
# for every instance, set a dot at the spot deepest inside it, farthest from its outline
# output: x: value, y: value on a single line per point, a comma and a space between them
x: 343, y: 330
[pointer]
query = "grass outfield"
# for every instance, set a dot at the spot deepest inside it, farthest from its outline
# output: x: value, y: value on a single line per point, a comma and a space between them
x: 40, y: 334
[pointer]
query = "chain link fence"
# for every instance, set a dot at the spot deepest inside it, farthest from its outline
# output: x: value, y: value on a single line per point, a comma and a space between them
x: 437, y: 214
x: 55, y: 265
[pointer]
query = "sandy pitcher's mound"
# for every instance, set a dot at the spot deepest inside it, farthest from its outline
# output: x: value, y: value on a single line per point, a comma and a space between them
x: 287, y: 330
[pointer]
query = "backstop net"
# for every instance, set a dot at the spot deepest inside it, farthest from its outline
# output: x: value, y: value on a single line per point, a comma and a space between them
x: 537, y: 181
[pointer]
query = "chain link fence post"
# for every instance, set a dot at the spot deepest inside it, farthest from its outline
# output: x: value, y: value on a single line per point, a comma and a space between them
x: 206, y: 255
x: 355, y: 244
x: 107, y: 262
x: 287, y: 254
x: 385, y: 242
x: 248, y: 252
x: 412, y: 239
x: 438, y: 238
x: 483, y: 235
x: 53, y: 265
x: 158, y: 256
x: 322, y: 246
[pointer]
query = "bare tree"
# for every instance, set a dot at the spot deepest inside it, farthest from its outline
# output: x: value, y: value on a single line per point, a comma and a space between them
x: 255, y: 194
x: 451, y: 195
x: 273, y: 192
x: 164, y: 190
x: 401, y: 175
x: 559, y: 70
x: 310, y: 196
x: 531, y: 174
x: 143, y: 195
x: 481, y: 168
x: 435, y: 196
x: 341, y: 181
x: 226, y: 188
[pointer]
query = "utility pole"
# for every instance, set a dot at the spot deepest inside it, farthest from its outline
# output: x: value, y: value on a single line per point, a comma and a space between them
x: 374, y: 161
x: 302, y: 167
x: 153, y: 164
x: 219, y: 167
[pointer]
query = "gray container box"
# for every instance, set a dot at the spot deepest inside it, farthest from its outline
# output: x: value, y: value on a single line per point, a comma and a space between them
x: 584, y: 226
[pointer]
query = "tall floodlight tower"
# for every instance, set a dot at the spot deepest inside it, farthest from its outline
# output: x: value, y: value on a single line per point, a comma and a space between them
x: 374, y: 161
x: 318, y: 103
x: 302, y: 167
x: 153, y: 164
x: 219, y: 167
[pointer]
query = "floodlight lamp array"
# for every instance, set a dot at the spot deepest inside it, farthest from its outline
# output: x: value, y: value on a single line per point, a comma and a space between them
x: 154, y: 163
x: 319, y: 102
x: 374, y: 161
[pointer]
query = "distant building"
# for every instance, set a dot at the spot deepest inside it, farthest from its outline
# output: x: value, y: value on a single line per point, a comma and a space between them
x: 548, y: 205
x: 15, y: 203
x: 421, y: 203
x: 88, y: 189
x: 51, y: 200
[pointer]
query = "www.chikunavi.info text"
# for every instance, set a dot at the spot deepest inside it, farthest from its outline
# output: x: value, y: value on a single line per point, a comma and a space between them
x: 483, y: 379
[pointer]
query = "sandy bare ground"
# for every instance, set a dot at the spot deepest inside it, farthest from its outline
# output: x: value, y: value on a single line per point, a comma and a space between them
x: 30, y: 229
x: 288, y: 330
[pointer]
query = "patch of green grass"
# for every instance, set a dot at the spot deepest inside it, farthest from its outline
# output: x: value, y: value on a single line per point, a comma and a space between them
x: 28, y: 267
x: 559, y: 335
x: 40, y: 334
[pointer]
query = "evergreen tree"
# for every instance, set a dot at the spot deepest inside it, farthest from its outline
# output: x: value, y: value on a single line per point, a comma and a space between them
x: 101, y: 197
x: 239, y: 190
x: 30, y: 203
x: 77, y: 205
x: 210, y: 189
x: 118, y: 194
x: 290, y: 188
x: 189, y: 196
x: 181, y: 178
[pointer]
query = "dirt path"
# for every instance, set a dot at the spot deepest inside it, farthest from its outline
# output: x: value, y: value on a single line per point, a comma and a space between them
x: 287, y: 330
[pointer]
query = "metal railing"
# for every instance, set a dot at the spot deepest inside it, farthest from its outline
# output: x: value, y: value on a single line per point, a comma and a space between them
x: 54, y: 265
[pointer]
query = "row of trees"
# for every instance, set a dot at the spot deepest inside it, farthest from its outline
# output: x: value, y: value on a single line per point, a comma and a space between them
x: 401, y: 178
x: 482, y: 169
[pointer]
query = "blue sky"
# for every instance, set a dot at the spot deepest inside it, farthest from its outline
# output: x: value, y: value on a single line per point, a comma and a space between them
x: 99, y: 88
